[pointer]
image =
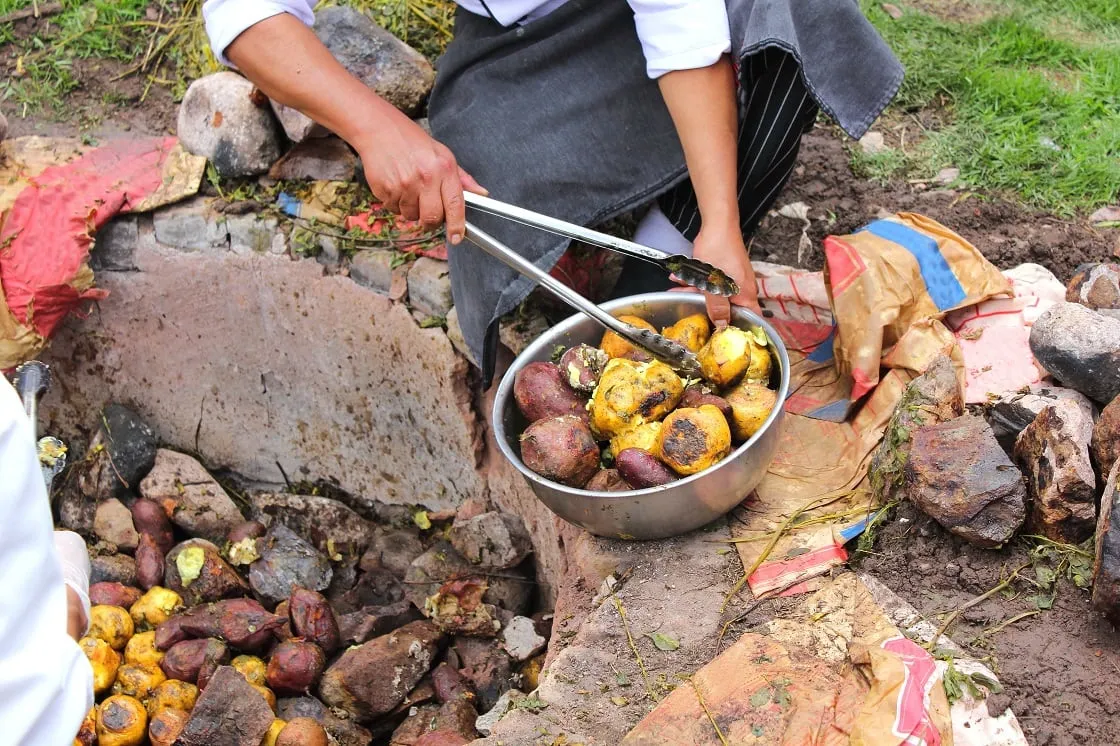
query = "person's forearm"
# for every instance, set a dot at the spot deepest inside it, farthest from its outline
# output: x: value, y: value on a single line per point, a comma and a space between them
x: 702, y: 105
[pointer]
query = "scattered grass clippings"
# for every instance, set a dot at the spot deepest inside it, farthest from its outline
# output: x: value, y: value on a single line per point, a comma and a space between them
x: 663, y: 642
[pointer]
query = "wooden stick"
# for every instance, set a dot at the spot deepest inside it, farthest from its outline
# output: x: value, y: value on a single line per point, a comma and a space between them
x: 49, y: 9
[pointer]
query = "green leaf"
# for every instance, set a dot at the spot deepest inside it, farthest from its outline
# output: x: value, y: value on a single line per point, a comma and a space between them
x: 621, y: 679
x: 1045, y: 575
x: 420, y: 518
x: 663, y: 642
x: 620, y: 701
x: 432, y: 322
x: 1043, y: 601
x: 986, y: 681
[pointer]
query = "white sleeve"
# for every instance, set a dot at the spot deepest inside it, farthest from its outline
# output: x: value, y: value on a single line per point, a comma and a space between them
x: 228, y: 19
x: 681, y: 34
x: 46, y: 683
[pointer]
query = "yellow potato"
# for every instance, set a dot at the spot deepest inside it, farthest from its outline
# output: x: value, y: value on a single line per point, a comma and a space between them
x: 692, y: 440
x: 155, y: 607
x: 104, y: 660
x: 691, y: 331
x: 141, y: 650
x: 172, y: 694
x: 111, y: 624
x: 630, y: 394
x: 252, y: 668
x: 727, y: 356
x: 751, y: 403
x: 273, y: 733
x: 121, y: 721
x: 642, y: 436
x: 165, y: 727
x: 268, y: 694
x: 616, y: 346
x: 87, y: 734
x: 137, y: 681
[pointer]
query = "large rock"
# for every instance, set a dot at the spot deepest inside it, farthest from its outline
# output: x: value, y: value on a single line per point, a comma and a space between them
x: 195, y: 500
x: 328, y: 524
x: 224, y: 118
x: 1081, y: 348
x: 377, y: 403
x: 487, y: 667
x: 451, y: 724
x: 511, y: 589
x: 1106, y: 569
x: 113, y: 523
x: 1054, y: 454
x: 398, y: 73
x: 344, y: 732
x: 1010, y: 414
x: 429, y: 287
x: 323, y: 159
x: 369, y: 622
x: 958, y: 474
x: 296, y: 125
x: 229, y: 712
x: 131, y: 446
x: 371, y: 679
x: 113, y: 568
x: 1097, y: 286
x: 1106, y: 437
x: 493, y: 541
x: 287, y: 562
x: 393, y: 550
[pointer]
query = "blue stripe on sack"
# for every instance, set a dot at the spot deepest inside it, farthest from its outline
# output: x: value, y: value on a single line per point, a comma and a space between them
x: 823, y: 352
x: 941, y: 284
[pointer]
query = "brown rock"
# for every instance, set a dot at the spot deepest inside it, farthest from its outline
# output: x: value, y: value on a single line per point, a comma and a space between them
x: 1097, y: 286
x: 359, y: 682
x: 449, y: 684
x: 327, y: 524
x: 958, y: 474
x: 196, y: 502
x: 230, y: 712
x: 393, y: 550
x: 344, y: 732
x: 1106, y: 569
x: 443, y: 738
x: 494, y: 541
x: 1054, y: 454
x: 487, y: 667
x: 1106, y: 437
x: 215, y: 579
x: 436, y: 724
x: 322, y: 159
x: 113, y: 568
x: 112, y: 521
x: 372, y: 621
x: 511, y: 589
x: 418, y: 723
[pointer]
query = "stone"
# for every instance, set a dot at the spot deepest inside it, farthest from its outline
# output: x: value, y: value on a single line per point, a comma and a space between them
x: 511, y: 590
x: 196, y: 501
x: 1105, y: 214
x: 393, y: 550
x: 1106, y: 437
x: 225, y: 118
x: 3, y: 127
x: 485, y: 723
x: 322, y: 159
x: 114, y: 245
x: 208, y: 577
x: 520, y: 328
x: 1097, y: 286
x: 369, y: 622
x: 433, y: 724
x: 192, y: 225
x: 444, y: 738
x: 255, y: 234
x: 493, y: 540
x: 429, y: 287
x: 344, y: 732
x: 947, y: 176
x: 873, y: 143
x: 455, y: 334
x: 1081, y: 348
x: 113, y: 522
x: 113, y: 568
x: 1053, y: 452
x: 296, y: 125
x: 958, y: 474
x: 330, y: 525
x: 287, y: 562
x: 395, y: 71
x: 449, y: 684
x: 1106, y: 567
x: 359, y: 682
x: 1010, y: 414
x: 486, y: 667
x: 229, y: 712
x: 373, y: 269
x: 131, y: 445
x: 520, y: 639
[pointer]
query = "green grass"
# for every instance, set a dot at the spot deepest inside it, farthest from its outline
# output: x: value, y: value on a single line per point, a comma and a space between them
x: 1032, y: 98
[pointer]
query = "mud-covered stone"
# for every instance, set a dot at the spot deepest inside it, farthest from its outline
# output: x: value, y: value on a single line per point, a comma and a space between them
x: 1081, y: 348
x: 511, y: 589
x: 230, y: 712
x: 393, y: 550
x: 493, y: 540
x: 224, y: 118
x: 959, y: 475
x: 196, y: 571
x: 1106, y: 569
x: 486, y: 666
x: 1010, y: 414
x: 1097, y: 286
x: 1106, y: 437
x: 1053, y: 452
x: 195, y: 500
x: 322, y: 159
x: 360, y: 681
x: 376, y: 587
x: 429, y: 287
x: 344, y: 732
x: 112, y: 522
x: 368, y: 622
x: 449, y: 684
x: 287, y: 562
x: 328, y: 524
x: 113, y: 568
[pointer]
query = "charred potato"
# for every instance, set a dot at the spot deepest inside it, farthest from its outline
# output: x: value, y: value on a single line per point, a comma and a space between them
x: 121, y: 721
x: 155, y: 607
x: 87, y: 734
x: 172, y: 694
x: 617, y: 347
x: 150, y: 564
x: 733, y: 354
x: 104, y: 660
x: 631, y: 394
x: 692, y: 440
x: 141, y: 650
x: 252, y: 668
x: 582, y: 366
x: 561, y: 449
x: 642, y: 436
x: 111, y: 624
x: 295, y: 666
x: 541, y: 393
x: 641, y: 469
x: 751, y: 403
x: 137, y: 681
x: 166, y: 725
x: 114, y: 594
x: 691, y: 331
x: 607, y: 480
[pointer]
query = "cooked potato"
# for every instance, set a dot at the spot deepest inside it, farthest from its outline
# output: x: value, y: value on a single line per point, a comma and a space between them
x: 141, y: 650
x: 541, y: 393
x: 582, y: 366
x: 137, y: 681
x: 561, y: 449
x: 87, y: 734
x: 111, y: 624
x: 617, y: 347
x: 114, y: 594
x: 751, y: 403
x: 172, y: 694
x: 691, y: 440
x: 607, y: 480
x: 691, y: 331
x: 150, y: 564
x: 727, y: 356
x: 104, y: 660
x: 166, y: 725
x: 268, y: 694
x: 150, y: 518
x: 631, y: 394
x: 295, y: 666
x: 302, y: 732
x: 252, y: 668
x: 698, y: 394
x: 642, y: 436
x: 312, y: 618
x: 121, y: 721
x: 273, y: 732
x: 641, y: 469
x: 155, y: 607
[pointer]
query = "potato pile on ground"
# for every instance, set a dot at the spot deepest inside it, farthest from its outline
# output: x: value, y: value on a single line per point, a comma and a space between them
x: 611, y: 418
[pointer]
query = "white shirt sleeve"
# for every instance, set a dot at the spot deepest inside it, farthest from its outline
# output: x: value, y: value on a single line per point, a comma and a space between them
x: 681, y: 34
x: 46, y: 682
x: 228, y: 19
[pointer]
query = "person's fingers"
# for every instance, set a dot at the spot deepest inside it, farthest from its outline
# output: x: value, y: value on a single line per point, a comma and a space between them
x: 431, y: 207
x: 719, y: 309
x: 410, y: 205
x: 454, y: 210
x: 470, y: 184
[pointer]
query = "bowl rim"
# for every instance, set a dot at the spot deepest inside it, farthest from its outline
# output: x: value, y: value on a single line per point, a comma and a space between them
x: 504, y: 394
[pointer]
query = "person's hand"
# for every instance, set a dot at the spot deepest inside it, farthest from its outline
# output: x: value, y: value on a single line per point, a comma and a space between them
x: 726, y: 250
x: 417, y: 177
x: 74, y: 559
x: 77, y: 623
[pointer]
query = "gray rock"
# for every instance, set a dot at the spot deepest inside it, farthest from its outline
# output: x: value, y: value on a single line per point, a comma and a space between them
x: 369, y: 622
x: 224, y: 118
x: 131, y: 445
x: 958, y: 474
x: 520, y: 639
x: 393, y: 550
x: 1053, y: 452
x: 373, y: 268
x: 1106, y: 437
x: 493, y: 541
x: 229, y: 712
x: 323, y: 159
x: 1014, y: 410
x: 296, y: 125
x: 520, y: 328
x: 255, y: 234
x: 486, y: 722
x: 287, y: 562
x: 192, y: 225
x: 113, y: 568
x: 3, y: 127
x: 114, y: 246
x: 512, y: 589
x: 1081, y: 348
x: 329, y: 525
x: 429, y: 287
x: 455, y: 334
x: 873, y: 143
x: 112, y: 522
x: 1106, y: 568
x: 344, y: 732
x: 398, y: 73
x: 200, y: 506
x: 1097, y: 286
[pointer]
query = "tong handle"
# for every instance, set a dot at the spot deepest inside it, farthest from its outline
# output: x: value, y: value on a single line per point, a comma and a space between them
x: 32, y: 380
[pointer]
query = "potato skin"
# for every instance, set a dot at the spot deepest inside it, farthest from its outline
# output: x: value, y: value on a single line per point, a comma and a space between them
x: 607, y: 480
x: 295, y: 666
x: 154, y: 608
x: 166, y: 725
x: 252, y: 668
x: 111, y: 624
x: 141, y: 650
x: 114, y: 594
x: 642, y: 469
x: 642, y: 436
x: 617, y: 347
x: 170, y: 633
x: 150, y: 562
x: 726, y: 357
x: 561, y: 449
x: 273, y: 732
x: 87, y: 734
x: 137, y: 681
x: 268, y: 694
x: 247, y: 530
x: 121, y: 721
x: 691, y: 331
x: 631, y: 394
x: 541, y: 393
x: 150, y: 518
x: 172, y: 694
x: 751, y: 403
x: 312, y: 618
x: 241, y: 622
x: 104, y: 660
x: 582, y: 366
x: 693, y: 440
x: 302, y: 732
x: 697, y: 395
x: 185, y: 660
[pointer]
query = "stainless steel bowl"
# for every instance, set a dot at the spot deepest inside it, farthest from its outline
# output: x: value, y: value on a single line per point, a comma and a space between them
x: 657, y: 512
